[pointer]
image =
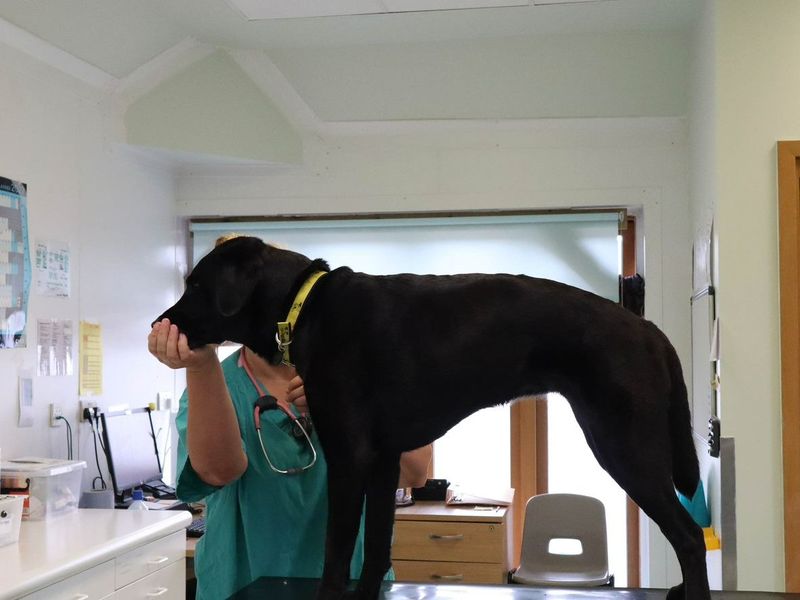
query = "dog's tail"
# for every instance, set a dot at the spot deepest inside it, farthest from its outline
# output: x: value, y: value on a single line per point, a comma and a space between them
x: 685, y: 467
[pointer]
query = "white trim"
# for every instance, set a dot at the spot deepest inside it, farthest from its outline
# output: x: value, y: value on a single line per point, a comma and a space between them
x: 273, y: 84
x: 160, y: 69
x: 668, y: 125
x: 39, y: 49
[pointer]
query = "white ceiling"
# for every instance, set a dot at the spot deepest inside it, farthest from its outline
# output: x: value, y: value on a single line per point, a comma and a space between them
x: 121, y: 39
x: 118, y: 36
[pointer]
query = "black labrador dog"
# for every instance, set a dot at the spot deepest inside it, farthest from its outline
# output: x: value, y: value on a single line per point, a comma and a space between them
x: 390, y: 363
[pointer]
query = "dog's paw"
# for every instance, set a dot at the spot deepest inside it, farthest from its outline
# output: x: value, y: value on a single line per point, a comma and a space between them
x: 676, y: 593
x: 361, y: 595
x: 330, y: 595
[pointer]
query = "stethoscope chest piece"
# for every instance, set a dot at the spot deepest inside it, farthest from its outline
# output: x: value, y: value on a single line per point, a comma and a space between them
x: 301, y: 429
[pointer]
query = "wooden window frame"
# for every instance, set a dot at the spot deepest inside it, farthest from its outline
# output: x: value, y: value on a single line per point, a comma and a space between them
x: 529, y: 447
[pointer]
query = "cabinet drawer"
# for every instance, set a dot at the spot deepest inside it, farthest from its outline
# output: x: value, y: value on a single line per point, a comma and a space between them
x: 168, y: 583
x: 92, y: 584
x: 449, y: 541
x: 448, y: 572
x: 156, y: 555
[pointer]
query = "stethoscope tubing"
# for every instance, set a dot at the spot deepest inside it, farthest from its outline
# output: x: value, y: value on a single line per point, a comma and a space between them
x: 293, y: 470
x: 267, y: 402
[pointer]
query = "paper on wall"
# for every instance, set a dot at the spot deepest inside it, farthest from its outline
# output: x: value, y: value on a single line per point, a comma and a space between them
x: 54, y: 347
x: 52, y: 269
x: 91, y: 359
x: 25, y: 399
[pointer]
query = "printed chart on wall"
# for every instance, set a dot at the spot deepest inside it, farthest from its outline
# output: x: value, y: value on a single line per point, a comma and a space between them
x: 51, y: 270
x: 15, y: 263
x: 90, y: 349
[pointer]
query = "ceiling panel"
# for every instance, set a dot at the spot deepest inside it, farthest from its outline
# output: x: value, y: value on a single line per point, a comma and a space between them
x: 396, y: 65
x: 116, y: 36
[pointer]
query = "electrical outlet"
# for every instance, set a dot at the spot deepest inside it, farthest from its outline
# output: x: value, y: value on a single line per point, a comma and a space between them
x: 83, y: 405
x: 55, y: 412
x: 164, y: 401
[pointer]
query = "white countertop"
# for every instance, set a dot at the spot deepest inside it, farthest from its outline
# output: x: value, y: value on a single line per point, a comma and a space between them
x: 49, y: 551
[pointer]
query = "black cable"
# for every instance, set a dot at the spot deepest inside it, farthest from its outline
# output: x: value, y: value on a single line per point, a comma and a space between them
x: 100, y: 437
x: 95, y: 435
x: 69, y: 437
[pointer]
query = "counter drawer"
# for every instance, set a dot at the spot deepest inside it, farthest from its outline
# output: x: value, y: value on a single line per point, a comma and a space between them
x: 149, y: 558
x: 448, y: 541
x: 168, y: 583
x: 92, y: 584
x: 448, y: 572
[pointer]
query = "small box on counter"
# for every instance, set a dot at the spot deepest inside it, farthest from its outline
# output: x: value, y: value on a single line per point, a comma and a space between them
x: 10, y: 517
x: 51, y: 486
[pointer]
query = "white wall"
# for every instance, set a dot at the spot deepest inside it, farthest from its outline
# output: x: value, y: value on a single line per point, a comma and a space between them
x: 537, y: 164
x: 116, y: 213
x: 756, y: 58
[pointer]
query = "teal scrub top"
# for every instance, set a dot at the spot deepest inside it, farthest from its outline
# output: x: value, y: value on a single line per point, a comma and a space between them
x: 264, y: 523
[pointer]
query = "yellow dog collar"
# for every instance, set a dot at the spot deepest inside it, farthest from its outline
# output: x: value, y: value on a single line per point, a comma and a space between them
x: 284, y: 334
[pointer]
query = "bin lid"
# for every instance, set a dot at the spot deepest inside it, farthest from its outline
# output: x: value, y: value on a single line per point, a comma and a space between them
x: 30, y: 466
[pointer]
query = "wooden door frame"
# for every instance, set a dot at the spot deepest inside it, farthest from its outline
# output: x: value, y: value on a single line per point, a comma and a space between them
x: 629, y: 267
x: 789, y: 247
x: 528, y: 447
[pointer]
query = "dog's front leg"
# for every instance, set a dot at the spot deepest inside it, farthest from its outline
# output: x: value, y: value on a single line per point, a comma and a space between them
x: 381, y: 486
x: 345, y: 500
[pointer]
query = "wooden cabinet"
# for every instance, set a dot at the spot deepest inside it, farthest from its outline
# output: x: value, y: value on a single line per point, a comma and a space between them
x: 438, y: 543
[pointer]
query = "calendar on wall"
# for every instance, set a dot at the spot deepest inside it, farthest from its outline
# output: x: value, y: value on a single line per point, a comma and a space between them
x: 15, y: 264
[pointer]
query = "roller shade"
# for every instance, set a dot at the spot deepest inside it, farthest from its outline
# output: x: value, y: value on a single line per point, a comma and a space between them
x: 577, y: 249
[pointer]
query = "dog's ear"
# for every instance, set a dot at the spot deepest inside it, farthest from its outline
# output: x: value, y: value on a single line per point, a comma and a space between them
x: 232, y: 290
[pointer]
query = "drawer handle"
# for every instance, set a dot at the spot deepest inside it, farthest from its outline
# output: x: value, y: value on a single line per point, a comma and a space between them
x: 158, y: 561
x: 159, y: 592
x: 450, y: 538
x: 458, y: 577
x: 81, y: 597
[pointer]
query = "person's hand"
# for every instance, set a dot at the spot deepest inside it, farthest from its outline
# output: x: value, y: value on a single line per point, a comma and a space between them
x: 171, y: 347
x: 297, y: 394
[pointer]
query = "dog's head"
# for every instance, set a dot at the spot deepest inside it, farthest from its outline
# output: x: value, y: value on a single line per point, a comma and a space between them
x: 236, y: 293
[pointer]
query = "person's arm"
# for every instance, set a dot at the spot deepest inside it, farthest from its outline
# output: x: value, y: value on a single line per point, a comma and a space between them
x: 414, y: 467
x: 413, y: 464
x: 213, y: 438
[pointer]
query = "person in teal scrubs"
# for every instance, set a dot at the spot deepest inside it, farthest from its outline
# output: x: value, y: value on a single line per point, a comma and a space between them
x: 258, y: 522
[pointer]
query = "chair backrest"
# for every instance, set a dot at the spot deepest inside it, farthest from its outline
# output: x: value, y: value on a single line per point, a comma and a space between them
x: 564, y: 516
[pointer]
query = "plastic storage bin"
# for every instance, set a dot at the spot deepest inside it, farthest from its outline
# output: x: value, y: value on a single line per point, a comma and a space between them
x: 10, y: 517
x: 52, y: 486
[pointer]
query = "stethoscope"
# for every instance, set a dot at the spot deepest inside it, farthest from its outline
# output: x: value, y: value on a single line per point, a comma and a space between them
x: 301, y: 426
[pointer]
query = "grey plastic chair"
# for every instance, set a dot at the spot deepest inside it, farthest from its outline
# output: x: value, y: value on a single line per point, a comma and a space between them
x: 564, y: 516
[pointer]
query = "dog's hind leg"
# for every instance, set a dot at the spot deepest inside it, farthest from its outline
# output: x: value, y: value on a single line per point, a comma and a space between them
x: 638, y: 457
x: 684, y: 535
x: 381, y: 487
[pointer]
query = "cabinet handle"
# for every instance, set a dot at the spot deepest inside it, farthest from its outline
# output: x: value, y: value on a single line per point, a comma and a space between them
x: 158, y: 561
x: 458, y: 577
x: 80, y: 597
x: 453, y: 537
x: 159, y: 592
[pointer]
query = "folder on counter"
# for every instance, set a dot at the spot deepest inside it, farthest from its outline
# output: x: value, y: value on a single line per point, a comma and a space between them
x: 458, y: 496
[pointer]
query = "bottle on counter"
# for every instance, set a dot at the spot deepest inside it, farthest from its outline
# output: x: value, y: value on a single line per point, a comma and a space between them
x: 138, y: 501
